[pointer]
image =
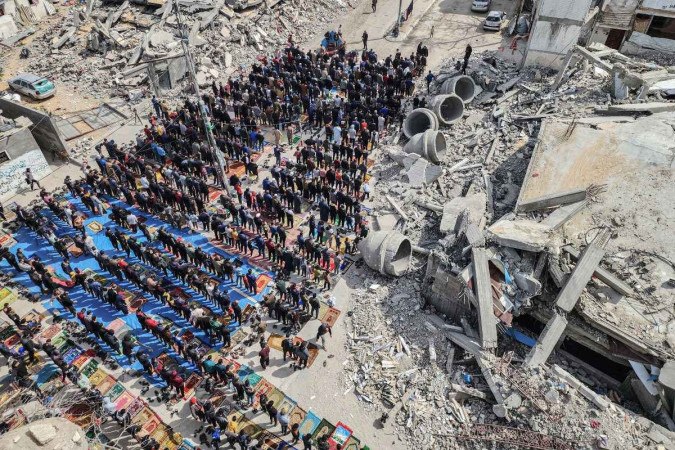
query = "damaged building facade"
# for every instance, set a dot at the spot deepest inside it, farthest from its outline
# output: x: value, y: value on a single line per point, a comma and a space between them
x: 636, y: 25
x: 631, y: 26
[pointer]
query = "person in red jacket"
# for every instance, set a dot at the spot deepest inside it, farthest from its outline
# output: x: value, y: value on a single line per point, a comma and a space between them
x: 264, y: 355
x: 178, y: 384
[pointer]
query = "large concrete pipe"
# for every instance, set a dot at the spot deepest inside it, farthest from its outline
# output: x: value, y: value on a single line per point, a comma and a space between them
x: 429, y: 145
x: 448, y: 108
x: 462, y: 86
x: 388, y: 252
x: 418, y: 121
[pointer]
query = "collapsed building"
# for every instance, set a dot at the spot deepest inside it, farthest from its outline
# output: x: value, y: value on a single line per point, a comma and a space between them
x: 125, y: 49
x: 542, y: 220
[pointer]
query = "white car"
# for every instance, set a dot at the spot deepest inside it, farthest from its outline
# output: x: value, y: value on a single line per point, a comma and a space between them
x: 32, y: 85
x: 481, y: 5
x: 494, y: 21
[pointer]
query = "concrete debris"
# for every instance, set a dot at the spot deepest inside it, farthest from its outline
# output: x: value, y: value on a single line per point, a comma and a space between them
x: 552, y: 201
x: 527, y: 283
x: 422, y: 173
x: 388, y: 252
x: 474, y: 204
x: 644, y: 108
x: 521, y: 234
x: 503, y: 262
x: 227, y: 38
x: 486, y: 318
x: 562, y: 214
x: 582, y: 273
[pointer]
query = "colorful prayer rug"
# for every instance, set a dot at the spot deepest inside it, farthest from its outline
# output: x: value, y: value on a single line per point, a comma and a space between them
x: 89, y: 368
x: 297, y: 415
x: 310, y: 424
x: 135, y: 407
x: 7, y: 296
x: 352, y: 444
x: 253, y: 379
x: 97, y: 376
x: 106, y: 384
x: 340, y: 436
x: 325, y: 428
x: 331, y: 316
x: 274, y: 341
x: 95, y: 226
x: 116, y: 391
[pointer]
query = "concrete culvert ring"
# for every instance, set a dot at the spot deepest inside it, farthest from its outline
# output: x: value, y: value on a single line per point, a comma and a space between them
x: 430, y: 145
x: 448, y: 108
x: 440, y: 145
x: 465, y: 88
x: 400, y: 262
x: 387, y: 251
x: 418, y: 121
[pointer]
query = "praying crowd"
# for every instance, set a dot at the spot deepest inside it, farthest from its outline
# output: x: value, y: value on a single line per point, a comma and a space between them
x: 300, y: 222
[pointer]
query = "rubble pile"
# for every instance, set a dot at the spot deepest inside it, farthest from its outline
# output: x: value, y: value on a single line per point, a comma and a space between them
x: 449, y: 349
x: 110, y: 49
x: 405, y: 365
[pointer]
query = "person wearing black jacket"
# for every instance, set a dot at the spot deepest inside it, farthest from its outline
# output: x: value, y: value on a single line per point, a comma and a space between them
x: 29, y: 347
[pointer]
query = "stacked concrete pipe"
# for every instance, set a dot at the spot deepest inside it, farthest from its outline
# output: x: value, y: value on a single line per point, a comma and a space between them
x: 418, y: 121
x: 430, y: 145
x: 389, y: 252
x: 448, y: 108
x: 462, y: 86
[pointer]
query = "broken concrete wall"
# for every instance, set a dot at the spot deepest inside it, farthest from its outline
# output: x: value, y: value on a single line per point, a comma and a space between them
x: 45, y: 132
x: 555, y: 31
x: 638, y: 42
x: 7, y: 27
x: 23, y: 152
x: 447, y: 293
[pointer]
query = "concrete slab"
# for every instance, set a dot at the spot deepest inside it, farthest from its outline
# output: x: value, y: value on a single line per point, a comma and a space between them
x: 475, y: 204
x: 520, y: 234
x: 7, y: 27
x: 548, y: 339
x: 486, y: 317
x: 582, y: 273
x: 651, y: 108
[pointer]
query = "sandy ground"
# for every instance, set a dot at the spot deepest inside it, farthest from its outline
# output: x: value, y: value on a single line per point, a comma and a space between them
x: 321, y: 387
x: 68, y: 98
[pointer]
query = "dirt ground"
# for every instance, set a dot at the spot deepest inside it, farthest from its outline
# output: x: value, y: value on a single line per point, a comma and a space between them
x: 68, y: 97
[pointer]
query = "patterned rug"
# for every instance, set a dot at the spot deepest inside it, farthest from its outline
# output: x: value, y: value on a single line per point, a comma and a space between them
x: 310, y: 424
x: 7, y: 296
x: 324, y: 428
x: 331, y: 316
x: 341, y: 434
